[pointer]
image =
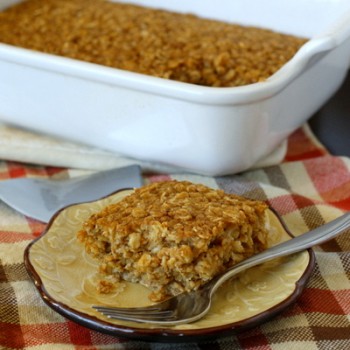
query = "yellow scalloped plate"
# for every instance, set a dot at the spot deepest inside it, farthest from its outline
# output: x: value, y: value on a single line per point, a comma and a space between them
x: 66, y: 279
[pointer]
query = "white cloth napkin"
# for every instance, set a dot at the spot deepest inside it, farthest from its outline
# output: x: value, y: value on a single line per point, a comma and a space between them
x: 26, y: 146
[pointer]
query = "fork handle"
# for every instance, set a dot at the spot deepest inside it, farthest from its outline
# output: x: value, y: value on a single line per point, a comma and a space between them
x: 294, y: 245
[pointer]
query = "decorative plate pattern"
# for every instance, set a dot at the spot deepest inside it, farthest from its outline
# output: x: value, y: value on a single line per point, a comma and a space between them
x: 66, y: 279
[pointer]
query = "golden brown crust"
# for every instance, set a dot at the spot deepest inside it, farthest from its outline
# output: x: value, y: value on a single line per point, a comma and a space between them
x: 173, y: 236
x: 154, y: 42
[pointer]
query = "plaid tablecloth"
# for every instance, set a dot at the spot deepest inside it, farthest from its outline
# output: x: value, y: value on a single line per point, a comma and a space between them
x: 308, y: 189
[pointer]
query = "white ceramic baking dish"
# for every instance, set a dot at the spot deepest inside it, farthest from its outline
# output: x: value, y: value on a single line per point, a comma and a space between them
x: 201, y: 129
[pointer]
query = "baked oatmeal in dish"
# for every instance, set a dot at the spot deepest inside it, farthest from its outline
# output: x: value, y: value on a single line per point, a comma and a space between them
x: 170, y: 45
x: 173, y: 236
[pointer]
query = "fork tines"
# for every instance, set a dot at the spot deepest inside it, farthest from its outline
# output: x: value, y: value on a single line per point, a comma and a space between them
x: 135, y: 314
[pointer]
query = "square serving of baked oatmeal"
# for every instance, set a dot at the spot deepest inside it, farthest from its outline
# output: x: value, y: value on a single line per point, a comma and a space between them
x: 174, y: 236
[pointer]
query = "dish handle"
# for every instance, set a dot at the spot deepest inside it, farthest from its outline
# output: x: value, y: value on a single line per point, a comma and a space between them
x: 320, y: 45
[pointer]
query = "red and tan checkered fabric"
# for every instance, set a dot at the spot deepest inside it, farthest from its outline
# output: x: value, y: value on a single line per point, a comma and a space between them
x: 310, y: 188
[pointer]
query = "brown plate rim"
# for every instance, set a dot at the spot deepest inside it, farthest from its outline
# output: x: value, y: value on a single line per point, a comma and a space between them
x: 164, y: 334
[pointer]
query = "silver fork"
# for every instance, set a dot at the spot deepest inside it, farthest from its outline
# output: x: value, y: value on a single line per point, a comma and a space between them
x: 189, y: 307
